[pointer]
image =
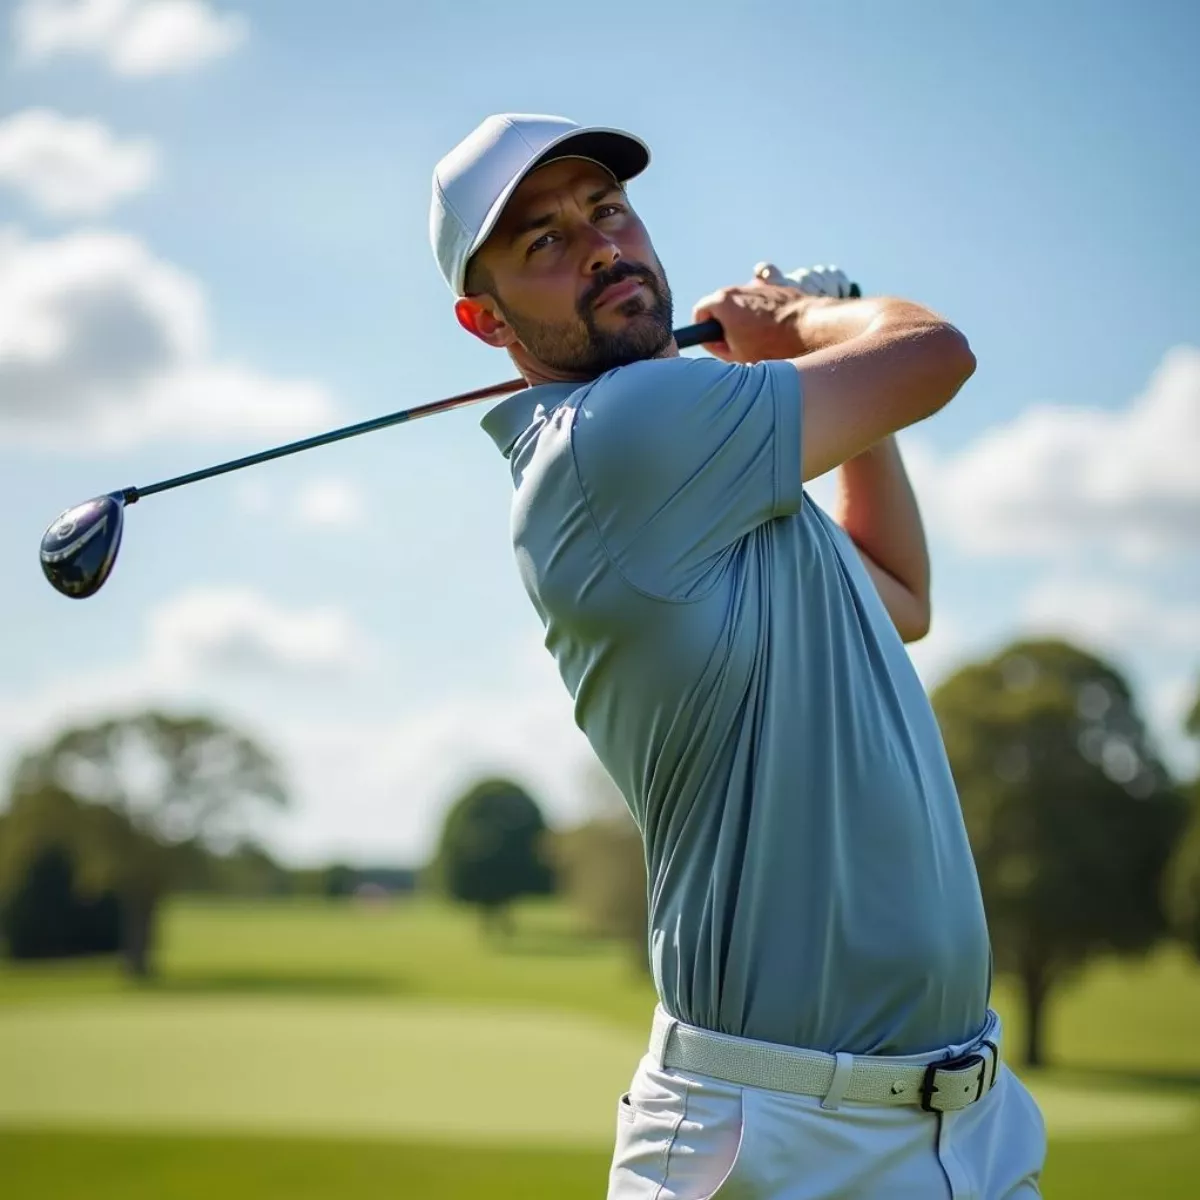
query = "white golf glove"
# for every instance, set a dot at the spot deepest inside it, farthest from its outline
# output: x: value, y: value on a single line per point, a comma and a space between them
x: 812, y: 281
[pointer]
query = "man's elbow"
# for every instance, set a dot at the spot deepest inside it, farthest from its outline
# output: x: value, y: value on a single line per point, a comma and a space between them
x: 916, y: 626
x: 913, y: 617
x: 955, y: 362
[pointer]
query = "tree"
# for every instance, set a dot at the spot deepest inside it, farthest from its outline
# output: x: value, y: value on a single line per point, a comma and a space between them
x: 136, y: 800
x: 491, y: 851
x: 46, y: 917
x: 1183, y: 877
x: 1070, y: 812
x: 602, y: 865
x: 339, y: 881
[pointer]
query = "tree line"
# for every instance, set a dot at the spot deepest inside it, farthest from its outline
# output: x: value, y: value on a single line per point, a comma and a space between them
x: 1086, y: 844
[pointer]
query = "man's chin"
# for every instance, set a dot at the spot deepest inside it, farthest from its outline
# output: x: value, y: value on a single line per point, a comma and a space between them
x: 634, y: 344
x: 632, y: 316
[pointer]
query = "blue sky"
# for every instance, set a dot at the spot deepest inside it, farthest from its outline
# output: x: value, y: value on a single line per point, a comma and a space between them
x: 213, y: 236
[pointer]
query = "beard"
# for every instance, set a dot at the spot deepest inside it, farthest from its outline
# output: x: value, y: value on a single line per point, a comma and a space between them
x: 580, y: 347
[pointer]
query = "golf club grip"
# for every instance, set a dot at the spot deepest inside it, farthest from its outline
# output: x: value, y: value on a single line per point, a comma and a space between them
x: 711, y: 331
x: 696, y: 335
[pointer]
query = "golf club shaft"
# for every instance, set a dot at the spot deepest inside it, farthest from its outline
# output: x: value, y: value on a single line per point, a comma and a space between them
x: 690, y: 335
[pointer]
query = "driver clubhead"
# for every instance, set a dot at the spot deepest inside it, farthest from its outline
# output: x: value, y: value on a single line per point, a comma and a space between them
x: 80, y: 547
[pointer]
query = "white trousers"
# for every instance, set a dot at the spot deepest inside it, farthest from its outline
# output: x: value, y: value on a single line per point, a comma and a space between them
x: 686, y: 1136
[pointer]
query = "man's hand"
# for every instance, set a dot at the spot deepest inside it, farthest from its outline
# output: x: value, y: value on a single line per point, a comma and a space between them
x: 760, y: 320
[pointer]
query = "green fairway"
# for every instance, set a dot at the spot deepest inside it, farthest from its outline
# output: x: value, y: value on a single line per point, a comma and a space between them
x: 318, y: 1068
x: 303, y: 1049
x: 323, y: 1067
x: 413, y: 949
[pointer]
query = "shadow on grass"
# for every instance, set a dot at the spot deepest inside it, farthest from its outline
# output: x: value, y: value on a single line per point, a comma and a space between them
x: 1184, y: 1079
x: 276, y: 983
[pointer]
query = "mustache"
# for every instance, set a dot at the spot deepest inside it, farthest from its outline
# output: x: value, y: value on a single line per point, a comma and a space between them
x: 617, y: 273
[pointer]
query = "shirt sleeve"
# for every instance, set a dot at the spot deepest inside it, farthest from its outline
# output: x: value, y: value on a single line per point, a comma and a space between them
x: 678, y: 459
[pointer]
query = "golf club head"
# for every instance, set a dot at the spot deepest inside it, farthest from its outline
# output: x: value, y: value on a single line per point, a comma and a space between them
x: 80, y: 547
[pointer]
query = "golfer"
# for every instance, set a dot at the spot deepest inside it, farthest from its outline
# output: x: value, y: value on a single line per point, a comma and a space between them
x: 736, y: 659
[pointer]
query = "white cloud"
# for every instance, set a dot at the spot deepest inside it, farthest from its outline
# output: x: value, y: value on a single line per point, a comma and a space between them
x: 235, y: 629
x: 71, y: 168
x: 213, y: 399
x: 365, y: 788
x: 132, y: 37
x: 329, y: 502
x: 1057, y: 480
x: 1111, y: 615
x: 200, y: 647
x: 103, y: 346
x: 380, y: 789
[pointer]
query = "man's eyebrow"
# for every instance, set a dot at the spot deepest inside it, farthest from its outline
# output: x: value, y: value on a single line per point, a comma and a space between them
x: 603, y: 193
x: 529, y: 224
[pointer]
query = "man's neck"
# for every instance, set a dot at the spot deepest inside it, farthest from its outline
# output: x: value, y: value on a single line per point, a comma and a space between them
x: 535, y: 372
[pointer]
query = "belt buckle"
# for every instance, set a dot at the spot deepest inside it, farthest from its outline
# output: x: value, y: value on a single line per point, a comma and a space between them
x: 929, y: 1084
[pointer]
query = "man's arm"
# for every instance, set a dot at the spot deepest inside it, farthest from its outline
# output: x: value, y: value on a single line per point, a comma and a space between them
x: 868, y: 368
x: 875, y: 505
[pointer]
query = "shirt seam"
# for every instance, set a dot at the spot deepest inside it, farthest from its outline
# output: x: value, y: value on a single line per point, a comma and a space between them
x: 776, y: 457
x: 781, y: 443
x: 645, y: 593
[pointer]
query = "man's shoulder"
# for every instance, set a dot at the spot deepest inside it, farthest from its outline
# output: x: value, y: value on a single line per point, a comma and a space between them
x: 672, y: 398
x: 647, y: 392
x: 662, y: 372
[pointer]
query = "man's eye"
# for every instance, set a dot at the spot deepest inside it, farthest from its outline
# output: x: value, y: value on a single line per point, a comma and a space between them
x: 608, y: 210
x: 539, y: 243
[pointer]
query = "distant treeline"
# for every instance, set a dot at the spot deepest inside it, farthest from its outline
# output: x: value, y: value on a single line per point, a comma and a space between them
x: 251, y: 871
x: 50, y: 914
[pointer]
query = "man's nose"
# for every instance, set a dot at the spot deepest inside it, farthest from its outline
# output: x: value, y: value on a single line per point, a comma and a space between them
x: 601, y: 252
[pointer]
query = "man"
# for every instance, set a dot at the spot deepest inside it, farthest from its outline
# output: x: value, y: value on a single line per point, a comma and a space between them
x: 736, y: 660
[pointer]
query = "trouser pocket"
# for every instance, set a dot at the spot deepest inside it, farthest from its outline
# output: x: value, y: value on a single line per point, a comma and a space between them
x: 676, y: 1138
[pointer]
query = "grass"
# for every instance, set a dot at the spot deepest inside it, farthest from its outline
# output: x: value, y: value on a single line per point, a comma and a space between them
x: 90, y: 1166
x: 317, y: 1067
x: 84, y: 1166
x: 414, y: 949
x: 400, y: 1052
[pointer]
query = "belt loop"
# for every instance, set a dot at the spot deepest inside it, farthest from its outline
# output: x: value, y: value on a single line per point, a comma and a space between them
x: 660, y: 1035
x: 839, y: 1082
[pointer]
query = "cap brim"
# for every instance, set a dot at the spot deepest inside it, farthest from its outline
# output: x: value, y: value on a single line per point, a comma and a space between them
x: 621, y: 153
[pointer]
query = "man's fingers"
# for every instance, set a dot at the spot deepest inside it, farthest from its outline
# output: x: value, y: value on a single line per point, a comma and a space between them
x: 709, y: 306
x: 704, y: 310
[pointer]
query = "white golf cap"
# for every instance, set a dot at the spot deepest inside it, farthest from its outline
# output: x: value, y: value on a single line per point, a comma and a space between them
x: 472, y: 184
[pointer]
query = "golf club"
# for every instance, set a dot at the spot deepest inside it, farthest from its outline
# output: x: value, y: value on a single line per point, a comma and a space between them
x: 79, y: 548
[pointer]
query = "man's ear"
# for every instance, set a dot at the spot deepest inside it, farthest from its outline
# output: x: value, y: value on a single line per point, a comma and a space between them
x: 480, y: 318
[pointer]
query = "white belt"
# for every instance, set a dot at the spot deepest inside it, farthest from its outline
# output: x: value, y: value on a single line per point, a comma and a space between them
x: 945, y: 1085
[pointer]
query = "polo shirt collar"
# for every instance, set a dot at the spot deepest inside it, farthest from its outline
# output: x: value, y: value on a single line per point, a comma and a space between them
x: 505, y: 423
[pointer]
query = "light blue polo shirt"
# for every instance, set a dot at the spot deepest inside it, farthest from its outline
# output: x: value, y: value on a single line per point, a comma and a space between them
x: 735, y: 672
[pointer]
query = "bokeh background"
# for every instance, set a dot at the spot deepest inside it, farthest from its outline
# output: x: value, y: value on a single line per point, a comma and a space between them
x: 309, y: 885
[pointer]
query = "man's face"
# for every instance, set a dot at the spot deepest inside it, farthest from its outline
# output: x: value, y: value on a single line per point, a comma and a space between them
x: 570, y: 268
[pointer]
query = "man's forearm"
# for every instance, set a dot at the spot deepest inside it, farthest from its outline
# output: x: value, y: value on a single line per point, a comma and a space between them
x: 877, y: 508
x: 821, y: 322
